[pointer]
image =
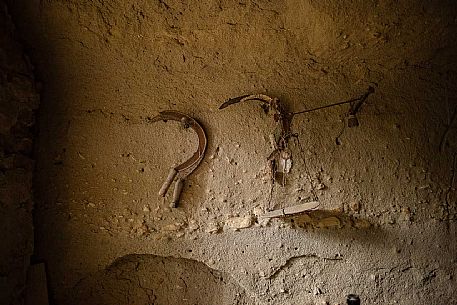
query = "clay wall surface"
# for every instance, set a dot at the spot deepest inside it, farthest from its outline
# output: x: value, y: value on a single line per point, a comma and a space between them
x: 18, y: 102
x: 386, y: 224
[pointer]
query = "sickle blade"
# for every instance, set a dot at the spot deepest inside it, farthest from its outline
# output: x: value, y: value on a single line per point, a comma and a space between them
x: 186, y: 168
x: 232, y: 101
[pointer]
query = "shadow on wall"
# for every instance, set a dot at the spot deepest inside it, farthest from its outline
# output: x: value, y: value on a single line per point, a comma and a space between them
x: 150, y: 279
x: 339, y: 226
x: 328, y: 219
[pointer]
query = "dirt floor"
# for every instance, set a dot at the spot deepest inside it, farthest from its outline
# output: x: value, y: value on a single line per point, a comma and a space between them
x: 386, y: 225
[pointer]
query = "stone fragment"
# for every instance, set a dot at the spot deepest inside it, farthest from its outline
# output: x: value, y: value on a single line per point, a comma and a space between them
x: 173, y: 227
x: 263, y: 221
x: 257, y: 211
x: 355, y: 206
x: 237, y: 223
x: 142, y: 230
x: 212, y: 228
x: 406, y: 214
x: 193, y: 226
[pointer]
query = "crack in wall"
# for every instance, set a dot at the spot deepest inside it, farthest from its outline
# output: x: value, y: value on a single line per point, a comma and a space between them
x: 291, y: 259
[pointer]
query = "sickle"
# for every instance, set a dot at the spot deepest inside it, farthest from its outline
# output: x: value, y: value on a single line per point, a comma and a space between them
x: 283, y: 120
x: 186, y: 168
x: 269, y: 103
x: 259, y: 97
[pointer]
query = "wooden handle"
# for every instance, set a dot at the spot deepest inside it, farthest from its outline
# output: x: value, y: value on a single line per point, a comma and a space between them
x: 177, y: 193
x: 299, y: 208
x: 166, y: 185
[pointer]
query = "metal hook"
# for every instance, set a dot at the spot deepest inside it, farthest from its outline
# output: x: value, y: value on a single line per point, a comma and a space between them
x: 180, y: 172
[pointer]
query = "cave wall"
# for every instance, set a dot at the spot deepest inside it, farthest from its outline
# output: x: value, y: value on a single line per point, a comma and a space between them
x: 386, y: 225
x: 18, y: 101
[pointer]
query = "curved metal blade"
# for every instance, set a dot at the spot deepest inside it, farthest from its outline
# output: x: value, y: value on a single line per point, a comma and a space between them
x: 259, y: 97
x: 190, y: 164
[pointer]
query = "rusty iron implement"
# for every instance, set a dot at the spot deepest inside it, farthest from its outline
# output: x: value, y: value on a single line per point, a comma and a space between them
x: 280, y: 160
x: 280, y: 115
x: 183, y: 170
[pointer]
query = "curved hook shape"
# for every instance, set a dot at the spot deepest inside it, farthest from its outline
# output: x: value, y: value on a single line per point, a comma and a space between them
x: 184, y: 169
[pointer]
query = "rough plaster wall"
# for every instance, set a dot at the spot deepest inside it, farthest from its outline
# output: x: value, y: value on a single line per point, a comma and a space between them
x: 387, y: 226
x: 18, y: 100
x: 149, y: 279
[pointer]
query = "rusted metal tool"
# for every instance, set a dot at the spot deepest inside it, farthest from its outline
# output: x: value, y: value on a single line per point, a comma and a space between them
x: 280, y: 159
x: 355, y: 107
x: 182, y: 171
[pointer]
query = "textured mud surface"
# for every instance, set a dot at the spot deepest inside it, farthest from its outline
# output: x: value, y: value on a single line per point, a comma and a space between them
x: 18, y: 100
x: 387, y: 225
x: 148, y: 279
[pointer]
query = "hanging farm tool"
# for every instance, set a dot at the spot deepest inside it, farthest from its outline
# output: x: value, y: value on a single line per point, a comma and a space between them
x: 280, y: 159
x: 182, y: 171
